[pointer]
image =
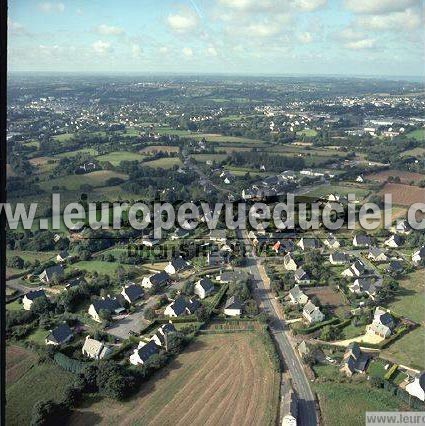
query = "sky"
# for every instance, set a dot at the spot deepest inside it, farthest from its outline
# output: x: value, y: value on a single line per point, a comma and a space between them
x: 255, y: 37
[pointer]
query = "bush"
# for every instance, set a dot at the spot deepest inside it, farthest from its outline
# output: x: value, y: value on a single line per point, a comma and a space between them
x: 391, y: 372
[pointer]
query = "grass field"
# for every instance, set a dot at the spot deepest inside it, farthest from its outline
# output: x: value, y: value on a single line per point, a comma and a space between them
x: 164, y: 163
x: 344, y: 404
x: 409, y: 349
x: 405, y: 177
x: 89, y: 151
x: 410, y: 298
x: 73, y: 182
x: 65, y: 137
x: 31, y: 256
x: 116, y: 157
x: 98, y: 266
x: 324, y: 190
x: 220, y: 379
x: 209, y: 157
x: 415, y: 152
x: 28, y: 383
x: 159, y: 148
x: 418, y: 134
x: 309, y: 133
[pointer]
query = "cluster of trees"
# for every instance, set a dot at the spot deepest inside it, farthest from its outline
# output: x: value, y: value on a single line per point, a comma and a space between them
x: 277, y: 163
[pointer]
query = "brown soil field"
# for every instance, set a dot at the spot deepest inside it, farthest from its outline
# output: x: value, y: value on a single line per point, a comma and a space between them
x: 405, y: 177
x: 159, y: 148
x: 327, y: 297
x: 18, y: 362
x: 221, y: 379
x: 404, y: 195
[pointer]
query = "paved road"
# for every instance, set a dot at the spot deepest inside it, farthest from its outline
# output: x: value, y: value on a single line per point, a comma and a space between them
x: 306, y: 405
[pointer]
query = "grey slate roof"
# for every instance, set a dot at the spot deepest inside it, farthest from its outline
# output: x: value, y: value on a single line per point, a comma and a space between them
x: 134, y: 292
x: 60, y: 334
x: 145, y: 352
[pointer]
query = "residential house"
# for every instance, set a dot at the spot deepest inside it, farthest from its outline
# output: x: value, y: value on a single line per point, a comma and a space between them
x: 297, y: 296
x: 75, y: 282
x: 362, y: 241
x: 132, y: 293
x: 143, y: 352
x: 156, y: 280
x: 331, y: 242
x: 289, y: 262
x: 364, y: 286
x: 403, y: 227
x: 204, y: 288
x: 339, y: 258
x: 29, y: 298
x: 179, y: 233
x: 217, y: 258
x: 59, y: 335
x: 312, y: 313
x: 419, y: 256
x: 382, y: 324
x: 161, y: 335
x: 63, y: 256
x: 377, y: 255
x: 354, y: 360
x: 357, y: 269
x: 181, y: 306
x: 416, y: 388
x: 51, y: 272
x: 218, y: 235
x: 233, y: 306
x: 150, y: 241
x: 395, y: 267
x: 177, y: 265
x: 301, y: 276
x: 309, y: 243
x: 303, y: 349
x: 95, y: 349
x: 107, y: 304
x: 231, y: 276
x: 394, y: 241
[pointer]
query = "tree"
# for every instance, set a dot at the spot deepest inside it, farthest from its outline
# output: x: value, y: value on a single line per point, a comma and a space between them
x: 251, y: 307
x: 112, y: 380
x: 188, y: 288
x: 174, y: 342
x: 41, y: 305
x: 202, y: 314
x: 149, y: 313
x: 15, y: 262
x: 48, y: 412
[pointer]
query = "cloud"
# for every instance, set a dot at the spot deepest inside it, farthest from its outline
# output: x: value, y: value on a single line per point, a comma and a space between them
x: 212, y: 51
x: 265, y: 29
x: 109, y: 30
x: 136, y: 50
x: 245, y: 5
x: 309, y: 5
x: 366, y: 43
x: 350, y: 33
x: 15, y: 28
x: 305, y: 37
x: 48, y: 7
x: 187, y: 51
x: 183, y: 22
x: 101, y: 47
x: 379, y: 6
x: 163, y: 50
x: 396, y: 21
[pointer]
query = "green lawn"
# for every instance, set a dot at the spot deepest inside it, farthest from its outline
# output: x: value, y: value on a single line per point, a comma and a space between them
x: 418, y: 134
x: 409, y: 349
x: 164, y: 163
x: 31, y: 256
x: 414, y: 152
x: 74, y: 182
x: 65, y: 137
x: 352, y: 331
x: 116, y: 157
x: 410, y: 298
x: 99, y: 266
x: 309, y: 133
x: 209, y: 157
x: 41, y: 382
x: 376, y: 369
x: 14, y: 306
x: 89, y: 151
x: 38, y: 336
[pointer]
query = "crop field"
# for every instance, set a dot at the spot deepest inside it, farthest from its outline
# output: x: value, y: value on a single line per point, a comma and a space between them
x: 164, y: 163
x: 220, y: 379
x: 209, y: 157
x: 18, y: 362
x: 405, y: 177
x: 404, y: 195
x: 39, y: 381
x: 116, y: 157
x: 309, y: 133
x: 152, y: 149
x: 73, y: 182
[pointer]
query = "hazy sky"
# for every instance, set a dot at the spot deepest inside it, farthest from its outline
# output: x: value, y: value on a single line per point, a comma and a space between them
x: 369, y: 37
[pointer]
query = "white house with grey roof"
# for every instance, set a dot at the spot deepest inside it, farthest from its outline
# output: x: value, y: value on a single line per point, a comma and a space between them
x: 176, y: 266
x: 143, y: 352
x: 95, y: 349
x: 297, y: 296
x: 339, y: 258
x: 312, y: 313
x: 290, y: 263
x: 204, y: 288
x: 29, y: 298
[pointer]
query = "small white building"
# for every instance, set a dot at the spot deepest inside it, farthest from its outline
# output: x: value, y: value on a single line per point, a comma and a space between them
x: 204, y: 288
x: 312, y: 313
x: 95, y: 349
x: 233, y: 307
